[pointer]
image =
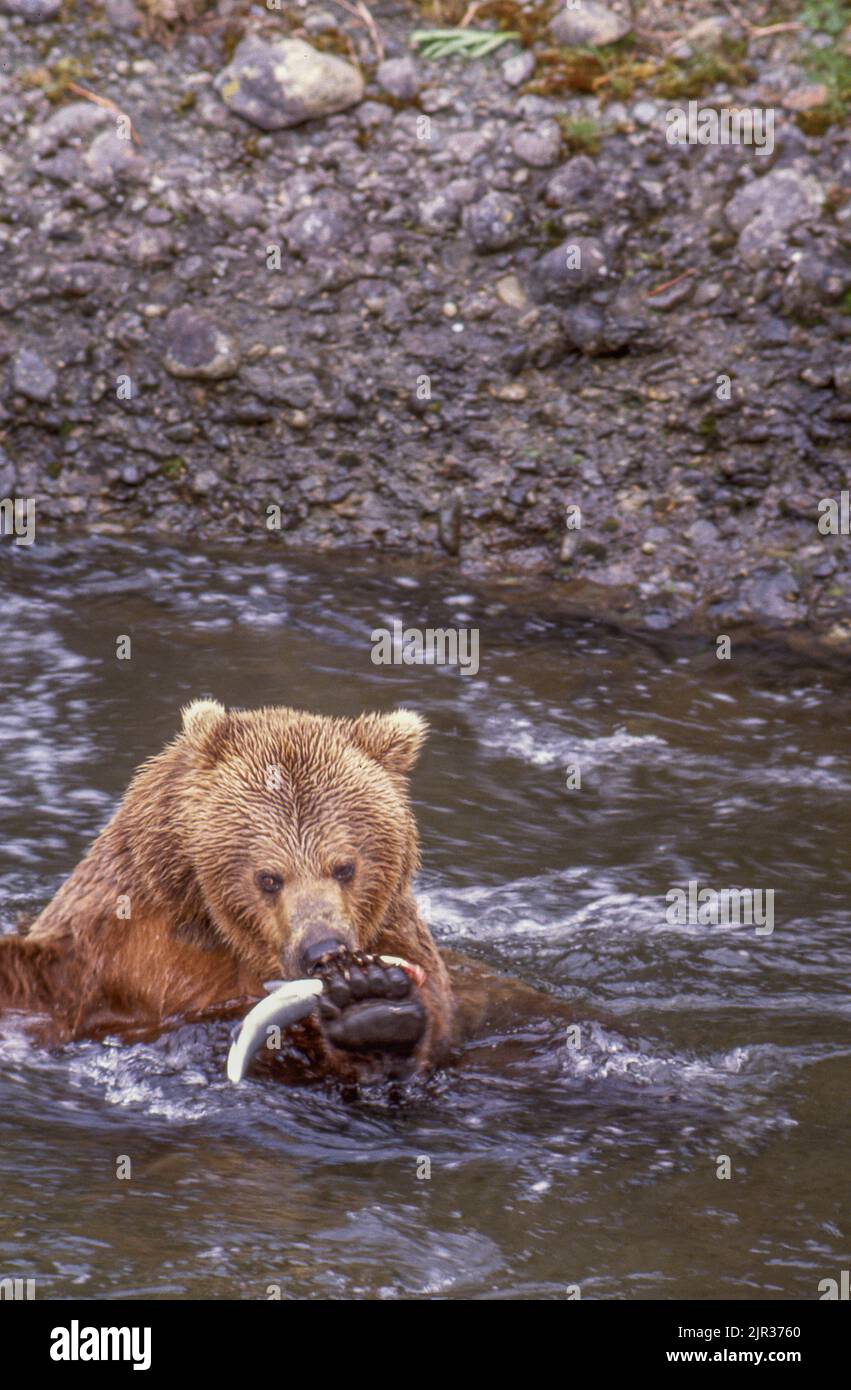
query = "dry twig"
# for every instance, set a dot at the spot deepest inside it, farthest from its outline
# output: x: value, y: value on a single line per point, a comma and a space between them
x: 362, y: 12
x: 669, y: 283
x: 107, y: 104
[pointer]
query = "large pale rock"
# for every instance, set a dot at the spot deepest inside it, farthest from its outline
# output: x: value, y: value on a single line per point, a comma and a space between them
x: 587, y: 24
x: 280, y: 84
x: 767, y: 211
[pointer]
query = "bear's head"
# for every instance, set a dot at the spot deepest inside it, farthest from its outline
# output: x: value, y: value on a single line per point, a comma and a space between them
x: 297, y: 827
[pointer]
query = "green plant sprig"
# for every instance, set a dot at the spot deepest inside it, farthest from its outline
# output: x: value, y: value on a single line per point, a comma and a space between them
x: 465, y: 43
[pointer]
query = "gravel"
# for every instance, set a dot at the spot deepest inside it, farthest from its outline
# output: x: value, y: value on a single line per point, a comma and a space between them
x: 425, y: 321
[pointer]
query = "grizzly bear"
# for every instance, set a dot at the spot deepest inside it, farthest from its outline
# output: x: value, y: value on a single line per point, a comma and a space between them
x: 259, y: 845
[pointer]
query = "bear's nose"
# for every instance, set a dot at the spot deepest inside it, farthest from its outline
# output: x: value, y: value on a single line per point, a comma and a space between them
x: 319, y: 952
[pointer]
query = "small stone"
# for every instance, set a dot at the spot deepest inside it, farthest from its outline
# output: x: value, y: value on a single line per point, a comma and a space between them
x: 766, y: 211
x: 437, y: 99
x: 574, y: 182
x: 588, y: 24
x: 806, y: 98
x: 32, y: 11
x: 540, y: 147
x: 703, y: 533
x: 203, y: 482
x: 122, y: 14
x: 578, y: 264
x: 110, y: 158
x: 814, y: 279
x: 707, y: 292
x: 31, y: 377
x: 317, y: 230
x: 494, y: 222
x: 774, y: 597
x: 645, y: 112
x: 197, y: 348
x: 400, y: 78
x: 320, y: 23
x: 511, y: 391
x: 842, y: 378
x: 152, y: 247
x: 372, y: 114
x: 75, y: 279
x: 773, y: 333
x: 584, y: 328
x: 784, y: 197
x: 281, y: 84
x: 511, y: 293
x: 713, y: 33
x: 439, y: 212
x: 466, y: 145
x: 382, y: 246
x: 69, y: 124
x: 818, y: 374
x: 518, y: 68
x: 569, y: 543
x: 242, y: 210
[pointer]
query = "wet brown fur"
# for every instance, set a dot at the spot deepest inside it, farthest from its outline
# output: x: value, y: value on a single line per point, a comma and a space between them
x: 234, y: 794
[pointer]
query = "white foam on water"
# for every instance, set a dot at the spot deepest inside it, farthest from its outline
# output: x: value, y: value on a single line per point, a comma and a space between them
x: 543, y: 745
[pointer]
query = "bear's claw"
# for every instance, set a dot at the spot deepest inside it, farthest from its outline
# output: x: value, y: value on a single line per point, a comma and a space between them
x: 370, y: 1005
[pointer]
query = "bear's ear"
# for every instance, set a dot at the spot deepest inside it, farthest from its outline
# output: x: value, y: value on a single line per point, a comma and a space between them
x: 393, y: 740
x: 206, y: 728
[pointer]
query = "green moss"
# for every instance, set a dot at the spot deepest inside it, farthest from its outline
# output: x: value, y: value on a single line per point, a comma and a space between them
x: 581, y: 134
x: 697, y: 75
x: 615, y: 72
x: 826, y: 16
x: 551, y: 230
x: 174, y: 469
x: 830, y: 66
x: 611, y: 72
x: 54, y: 80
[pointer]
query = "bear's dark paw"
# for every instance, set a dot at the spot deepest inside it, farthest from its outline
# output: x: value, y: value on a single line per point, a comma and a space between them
x: 368, y: 1006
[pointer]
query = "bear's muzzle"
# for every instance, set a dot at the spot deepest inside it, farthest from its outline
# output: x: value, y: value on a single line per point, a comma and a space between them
x: 317, y: 929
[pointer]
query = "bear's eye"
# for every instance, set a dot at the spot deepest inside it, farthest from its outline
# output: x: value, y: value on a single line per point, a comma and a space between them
x: 343, y: 873
x: 269, y: 883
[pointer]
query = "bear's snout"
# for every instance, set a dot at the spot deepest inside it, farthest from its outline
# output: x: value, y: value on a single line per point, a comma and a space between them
x: 317, y: 926
x: 315, y: 953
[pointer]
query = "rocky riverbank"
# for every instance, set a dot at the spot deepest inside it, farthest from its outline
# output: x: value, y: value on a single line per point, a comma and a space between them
x: 478, y: 310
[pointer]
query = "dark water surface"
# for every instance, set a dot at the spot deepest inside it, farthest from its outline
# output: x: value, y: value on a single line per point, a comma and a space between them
x: 557, y: 1167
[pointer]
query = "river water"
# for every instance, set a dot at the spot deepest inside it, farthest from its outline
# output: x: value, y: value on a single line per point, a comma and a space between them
x: 551, y: 1167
